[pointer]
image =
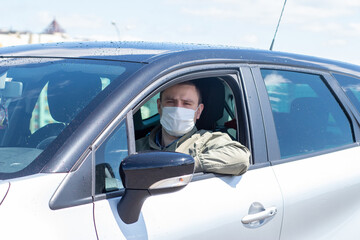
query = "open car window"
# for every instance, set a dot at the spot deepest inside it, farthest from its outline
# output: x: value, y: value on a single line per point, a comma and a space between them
x: 219, y: 113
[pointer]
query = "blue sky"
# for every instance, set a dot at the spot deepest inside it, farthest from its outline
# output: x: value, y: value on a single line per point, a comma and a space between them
x: 323, y: 28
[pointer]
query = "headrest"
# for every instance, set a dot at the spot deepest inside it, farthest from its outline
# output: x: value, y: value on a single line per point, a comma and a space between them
x: 308, y: 105
x: 309, y: 111
x: 69, y: 93
x: 213, y: 97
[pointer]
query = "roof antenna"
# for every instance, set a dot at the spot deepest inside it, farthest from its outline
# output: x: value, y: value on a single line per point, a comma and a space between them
x: 272, y: 43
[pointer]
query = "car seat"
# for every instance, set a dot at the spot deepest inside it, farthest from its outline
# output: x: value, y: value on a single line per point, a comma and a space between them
x: 67, y: 95
x: 213, y: 98
x: 307, y: 126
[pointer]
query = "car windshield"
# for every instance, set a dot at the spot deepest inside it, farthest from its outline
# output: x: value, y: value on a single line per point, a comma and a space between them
x: 40, y: 97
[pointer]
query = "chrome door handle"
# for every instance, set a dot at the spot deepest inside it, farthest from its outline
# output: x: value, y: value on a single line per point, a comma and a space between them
x: 260, y: 216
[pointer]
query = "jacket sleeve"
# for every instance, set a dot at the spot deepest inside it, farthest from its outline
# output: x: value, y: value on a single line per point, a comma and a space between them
x: 215, y: 152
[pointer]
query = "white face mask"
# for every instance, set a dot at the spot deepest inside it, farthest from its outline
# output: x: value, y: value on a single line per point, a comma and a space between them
x: 177, y: 120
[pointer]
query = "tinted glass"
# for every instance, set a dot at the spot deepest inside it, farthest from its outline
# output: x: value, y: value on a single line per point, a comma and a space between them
x: 149, y: 109
x: 108, y: 159
x: 307, y: 116
x: 40, y: 97
x: 351, y: 86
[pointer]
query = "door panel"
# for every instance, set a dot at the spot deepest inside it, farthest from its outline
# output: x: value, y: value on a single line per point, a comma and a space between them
x: 206, y: 209
x: 321, y: 196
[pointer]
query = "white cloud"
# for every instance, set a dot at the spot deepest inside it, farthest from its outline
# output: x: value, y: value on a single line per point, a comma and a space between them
x: 81, y: 21
x: 275, y: 79
x: 44, y: 19
x: 130, y: 38
x: 97, y: 38
x: 211, y: 12
x: 297, y: 13
x: 355, y: 27
x: 353, y: 87
x: 334, y: 29
x: 319, y: 27
x: 337, y: 42
x: 260, y: 11
x: 130, y: 27
x: 250, y: 38
x: 351, y: 3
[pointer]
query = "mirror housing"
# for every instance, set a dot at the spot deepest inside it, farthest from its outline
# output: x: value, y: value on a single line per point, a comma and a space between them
x: 151, y: 173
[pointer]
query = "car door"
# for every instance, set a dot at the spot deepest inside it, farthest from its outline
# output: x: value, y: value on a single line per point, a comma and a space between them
x: 314, y: 152
x: 212, y: 206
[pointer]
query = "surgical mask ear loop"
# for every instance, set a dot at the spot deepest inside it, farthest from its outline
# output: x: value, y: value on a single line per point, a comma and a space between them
x: 197, y: 110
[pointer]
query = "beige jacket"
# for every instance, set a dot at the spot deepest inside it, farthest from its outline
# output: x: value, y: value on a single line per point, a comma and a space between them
x: 212, y: 151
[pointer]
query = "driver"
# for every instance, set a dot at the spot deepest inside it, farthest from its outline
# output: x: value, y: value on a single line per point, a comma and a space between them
x: 179, y: 107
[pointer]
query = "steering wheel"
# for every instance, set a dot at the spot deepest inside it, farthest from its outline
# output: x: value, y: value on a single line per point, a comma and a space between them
x: 44, y: 143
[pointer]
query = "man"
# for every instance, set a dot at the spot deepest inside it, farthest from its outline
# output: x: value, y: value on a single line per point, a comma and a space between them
x: 179, y: 107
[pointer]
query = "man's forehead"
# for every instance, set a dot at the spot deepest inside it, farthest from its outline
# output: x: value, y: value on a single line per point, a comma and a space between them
x: 180, y: 90
x: 180, y: 97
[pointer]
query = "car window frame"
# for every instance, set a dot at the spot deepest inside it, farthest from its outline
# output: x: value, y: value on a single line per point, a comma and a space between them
x: 346, y: 103
x: 334, y: 82
x: 237, y: 86
x: 271, y: 135
x: 187, y: 73
x: 259, y: 149
x: 125, y: 116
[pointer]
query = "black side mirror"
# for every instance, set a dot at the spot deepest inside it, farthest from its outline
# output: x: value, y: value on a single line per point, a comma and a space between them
x: 151, y: 173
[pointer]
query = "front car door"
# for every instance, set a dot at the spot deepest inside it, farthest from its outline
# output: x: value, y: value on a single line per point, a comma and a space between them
x: 211, y: 206
x: 41, y: 98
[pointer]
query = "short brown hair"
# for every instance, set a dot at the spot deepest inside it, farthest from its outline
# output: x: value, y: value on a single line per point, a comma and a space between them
x: 191, y: 83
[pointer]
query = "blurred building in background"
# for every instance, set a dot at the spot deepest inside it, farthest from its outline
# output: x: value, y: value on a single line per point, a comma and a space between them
x: 52, y: 33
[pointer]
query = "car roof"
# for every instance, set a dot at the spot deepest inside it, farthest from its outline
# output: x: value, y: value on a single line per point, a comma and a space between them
x: 120, y: 51
x: 145, y: 52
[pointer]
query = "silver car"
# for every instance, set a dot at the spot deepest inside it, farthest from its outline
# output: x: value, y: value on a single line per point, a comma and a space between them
x: 70, y: 114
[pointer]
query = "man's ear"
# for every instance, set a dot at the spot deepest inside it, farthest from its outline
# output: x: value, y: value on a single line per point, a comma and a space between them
x: 199, y: 111
x: 159, y: 106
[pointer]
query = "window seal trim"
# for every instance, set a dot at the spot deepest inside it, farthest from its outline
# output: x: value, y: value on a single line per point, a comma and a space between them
x: 130, y: 132
x: 255, y: 119
x: 272, y: 147
x: 346, y: 103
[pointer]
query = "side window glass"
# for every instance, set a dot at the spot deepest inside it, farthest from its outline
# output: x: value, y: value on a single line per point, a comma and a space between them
x: 307, y: 116
x: 351, y: 86
x: 149, y: 109
x: 108, y: 158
